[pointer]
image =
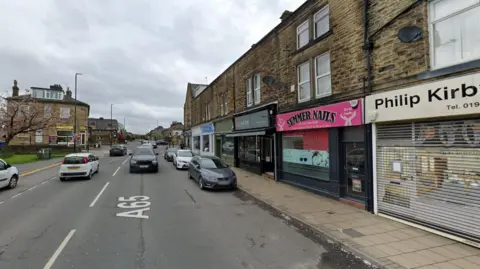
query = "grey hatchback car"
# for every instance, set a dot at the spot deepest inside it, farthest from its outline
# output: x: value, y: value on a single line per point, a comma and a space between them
x: 211, y: 173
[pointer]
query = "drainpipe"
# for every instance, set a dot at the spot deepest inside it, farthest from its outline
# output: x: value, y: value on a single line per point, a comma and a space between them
x: 367, y: 89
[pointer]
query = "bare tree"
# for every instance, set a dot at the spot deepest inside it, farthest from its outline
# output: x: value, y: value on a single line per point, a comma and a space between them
x: 23, y: 114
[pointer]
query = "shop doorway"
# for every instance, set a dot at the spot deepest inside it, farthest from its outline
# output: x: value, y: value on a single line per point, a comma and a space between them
x: 218, y: 147
x: 267, y: 154
x: 353, y: 179
x: 354, y: 170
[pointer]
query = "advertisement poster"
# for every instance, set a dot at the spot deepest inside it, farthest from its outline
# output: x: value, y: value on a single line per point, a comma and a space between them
x: 307, y: 157
x: 64, y: 113
x: 356, y: 185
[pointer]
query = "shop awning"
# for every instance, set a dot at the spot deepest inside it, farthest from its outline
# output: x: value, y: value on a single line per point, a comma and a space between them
x: 235, y: 134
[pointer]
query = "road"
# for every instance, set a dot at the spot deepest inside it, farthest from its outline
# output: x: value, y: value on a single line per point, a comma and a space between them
x: 46, y: 223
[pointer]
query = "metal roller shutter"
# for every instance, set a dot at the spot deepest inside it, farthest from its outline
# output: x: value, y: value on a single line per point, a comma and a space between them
x: 429, y: 173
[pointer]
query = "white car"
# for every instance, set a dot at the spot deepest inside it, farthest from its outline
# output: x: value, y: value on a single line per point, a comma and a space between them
x: 182, y: 158
x: 8, y: 175
x: 78, y: 165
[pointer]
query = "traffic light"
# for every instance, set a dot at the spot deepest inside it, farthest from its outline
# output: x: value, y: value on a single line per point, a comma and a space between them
x: 115, y: 134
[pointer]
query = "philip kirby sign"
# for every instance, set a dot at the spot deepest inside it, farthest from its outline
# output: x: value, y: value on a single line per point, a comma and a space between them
x: 457, y: 96
x: 342, y: 114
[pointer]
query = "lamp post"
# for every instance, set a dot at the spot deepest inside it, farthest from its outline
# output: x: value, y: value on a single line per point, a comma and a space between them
x: 111, y: 124
x: 75, y: 115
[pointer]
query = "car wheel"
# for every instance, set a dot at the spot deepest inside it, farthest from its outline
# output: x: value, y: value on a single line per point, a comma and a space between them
x: 130, y: 171
x: 156, y: 170
x: 200, y: 183
x: 13, y: 182
x: 98, y: 169
x: 189, y: 176
x: 89, y: 175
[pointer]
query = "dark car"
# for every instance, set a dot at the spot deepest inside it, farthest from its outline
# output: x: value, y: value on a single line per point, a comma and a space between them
x: 118, y: 150
x: 169, y: 153
x: 144, y: 159
x: 211, y: 173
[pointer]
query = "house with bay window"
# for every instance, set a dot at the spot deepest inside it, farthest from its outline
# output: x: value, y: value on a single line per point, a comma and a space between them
x: 57, y: 103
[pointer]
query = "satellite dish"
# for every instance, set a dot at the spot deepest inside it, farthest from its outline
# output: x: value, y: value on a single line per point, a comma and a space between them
x: 409, y: 34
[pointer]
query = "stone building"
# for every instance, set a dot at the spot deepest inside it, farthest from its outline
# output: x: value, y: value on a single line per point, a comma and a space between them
x: 103, y: 130
x: 59, y: 104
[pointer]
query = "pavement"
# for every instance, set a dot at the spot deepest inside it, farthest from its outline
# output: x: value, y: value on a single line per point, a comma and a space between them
x: 163, y: 220
x: 380, y: 242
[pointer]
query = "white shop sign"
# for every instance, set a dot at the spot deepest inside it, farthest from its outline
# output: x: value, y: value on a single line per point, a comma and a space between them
x: 443, y: 98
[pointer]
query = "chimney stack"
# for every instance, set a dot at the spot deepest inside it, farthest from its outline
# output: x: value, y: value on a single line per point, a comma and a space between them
x: 285, y: 14
x: 69, y: 92
x: 15, y: 89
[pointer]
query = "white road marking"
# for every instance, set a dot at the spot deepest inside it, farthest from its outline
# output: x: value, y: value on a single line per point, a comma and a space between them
x: 59, y: 250
x: 32, y: 188
x: 99, y: 194
x: 1, y: 202
x: 134, y: 202
x: 114, y: 173
x: 44, y: 182
x: 16, y: 195
x: 125, y: 161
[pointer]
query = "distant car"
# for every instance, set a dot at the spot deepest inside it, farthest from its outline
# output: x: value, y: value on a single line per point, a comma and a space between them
x: 211, y: 173
x: 118, y: 150
x: 8, y: 175
x: 169, y: 153
x: 182, y: 158
x: 144, y: 159
x: 78, y: 165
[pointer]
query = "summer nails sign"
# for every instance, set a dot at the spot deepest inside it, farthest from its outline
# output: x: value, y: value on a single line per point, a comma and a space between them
x: 347, y: 113
x: 450, y: 97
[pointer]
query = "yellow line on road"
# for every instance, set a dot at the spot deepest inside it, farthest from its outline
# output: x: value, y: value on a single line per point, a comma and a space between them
x: 40, y: 169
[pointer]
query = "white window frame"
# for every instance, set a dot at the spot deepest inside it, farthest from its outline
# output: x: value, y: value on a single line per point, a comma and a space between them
x: 304, y: 27
x: 317, y: 76
x: 320, y: 15
x: 257, y: 98
x: 299, y: 83
x: 248, y: 85
x: 431, y: 30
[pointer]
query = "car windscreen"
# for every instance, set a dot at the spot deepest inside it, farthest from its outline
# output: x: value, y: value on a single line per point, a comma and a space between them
x: 116, y: 146
x: 172, y: 150
x: 74, y: 160
x: 212, y: 163
x: 143, y: 151
x: 184, y: 154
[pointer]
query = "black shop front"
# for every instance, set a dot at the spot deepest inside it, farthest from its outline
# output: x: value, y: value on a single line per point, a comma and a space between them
x: 254, y: 140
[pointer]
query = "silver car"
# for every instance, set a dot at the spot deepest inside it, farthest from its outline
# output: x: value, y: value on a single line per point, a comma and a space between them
x: 211, y: 173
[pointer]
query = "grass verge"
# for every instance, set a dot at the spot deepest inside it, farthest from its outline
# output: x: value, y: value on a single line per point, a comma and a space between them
x: 27, y: 158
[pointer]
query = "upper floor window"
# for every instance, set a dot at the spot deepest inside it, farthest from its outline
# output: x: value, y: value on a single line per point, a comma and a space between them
x: 303, y: 75
x: 248, y: 85
x: 256, y: 89
x: 454, y: 26
x: 47, y: 94
x: 323, y: 82
x: 321, y: 21
x: 303, y: 36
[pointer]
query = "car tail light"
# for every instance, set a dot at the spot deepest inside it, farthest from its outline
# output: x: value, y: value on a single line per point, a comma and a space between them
x: 85, y: 160
x: 63, y: 161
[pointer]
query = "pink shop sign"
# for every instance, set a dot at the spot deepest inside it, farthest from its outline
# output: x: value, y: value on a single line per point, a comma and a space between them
x: 348, y: 113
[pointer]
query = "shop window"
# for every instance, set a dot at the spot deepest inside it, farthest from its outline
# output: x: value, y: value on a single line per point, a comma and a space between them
x: 228, y: 146
x: 454, y: 27
x: 64, y: 137
x: 306, y: 153
x: 196, y: 142
x: 248, y: 149
x: 206, y: 143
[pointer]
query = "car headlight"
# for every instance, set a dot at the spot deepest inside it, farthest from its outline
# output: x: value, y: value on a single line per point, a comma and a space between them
x: 133, y: 161
x: 154, y: 161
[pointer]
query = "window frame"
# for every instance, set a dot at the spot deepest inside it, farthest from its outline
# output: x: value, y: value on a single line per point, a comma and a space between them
x: 299, y: 83
x: 317, y: 95
x: 431, y: 39
x: 322, y: 16
x: 249, y: 92
x: 298, y: 32
x: 257, y: 90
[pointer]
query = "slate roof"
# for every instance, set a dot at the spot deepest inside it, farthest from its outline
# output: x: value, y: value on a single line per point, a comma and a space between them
x: 66, y: 100
x: 102, y: 123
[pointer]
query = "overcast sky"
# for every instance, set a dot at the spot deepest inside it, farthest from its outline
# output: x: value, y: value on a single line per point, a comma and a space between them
x: 138, y: 55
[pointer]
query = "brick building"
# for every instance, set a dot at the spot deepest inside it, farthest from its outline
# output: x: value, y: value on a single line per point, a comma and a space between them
x: 423, y: 107
x: 102, y: 130
x: 53, y: 102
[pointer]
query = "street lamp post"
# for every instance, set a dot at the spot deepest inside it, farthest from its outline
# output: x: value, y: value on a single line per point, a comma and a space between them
x: 75, y: 115
x: 111, y: 124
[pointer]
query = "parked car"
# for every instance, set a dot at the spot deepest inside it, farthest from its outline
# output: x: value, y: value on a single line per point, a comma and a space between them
x: 211, y: 173
x: 144, y: 159
x: 161, y: 142
x: 182, y: 158
x: 118, y: 150
x: 78, y: 165
x: 8, y: 175
x: 169, y: 153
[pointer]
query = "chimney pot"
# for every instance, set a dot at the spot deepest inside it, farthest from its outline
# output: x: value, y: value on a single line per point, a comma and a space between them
x: 15, y: 89
x: 285, y: 14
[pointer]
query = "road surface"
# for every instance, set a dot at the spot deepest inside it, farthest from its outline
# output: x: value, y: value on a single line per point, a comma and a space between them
x: 121, y: 220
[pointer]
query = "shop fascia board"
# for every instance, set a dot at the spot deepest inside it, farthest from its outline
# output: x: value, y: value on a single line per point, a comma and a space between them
x: 205, y: 123
x: 255, y: 109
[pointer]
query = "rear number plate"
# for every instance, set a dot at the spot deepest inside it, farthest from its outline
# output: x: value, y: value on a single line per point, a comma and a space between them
x: 73, y: 168
x: 143, y: 166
